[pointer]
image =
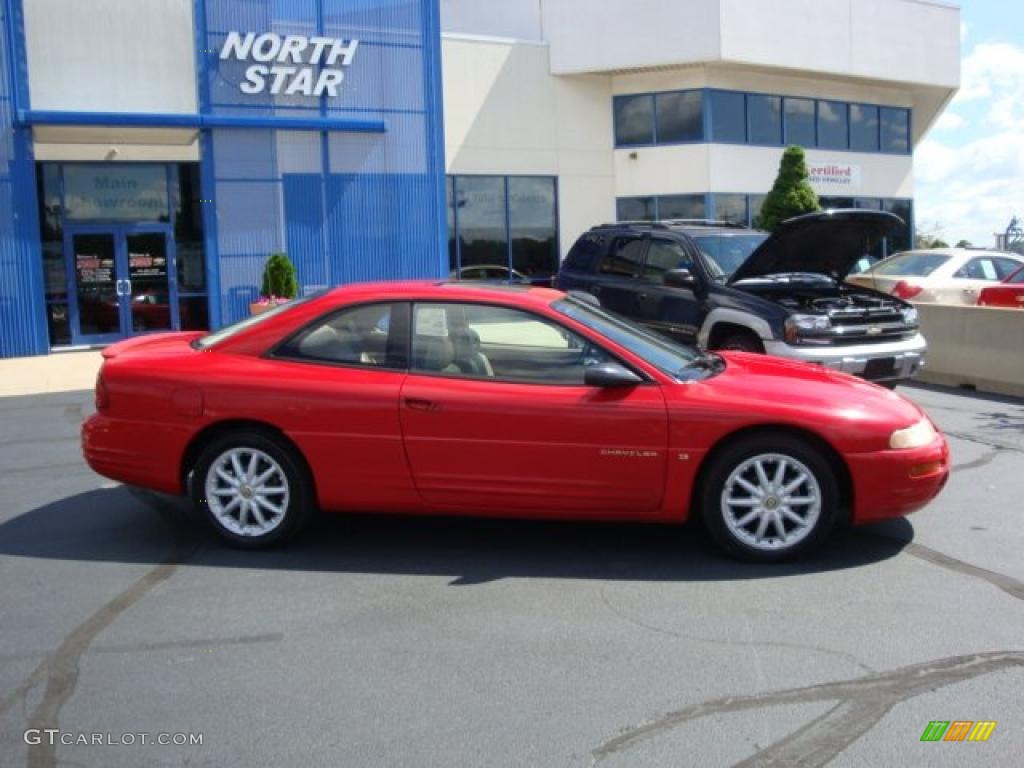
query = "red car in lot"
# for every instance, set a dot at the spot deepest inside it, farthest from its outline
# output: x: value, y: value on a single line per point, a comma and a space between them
x: 1009, y: 293
x: 504, y: 401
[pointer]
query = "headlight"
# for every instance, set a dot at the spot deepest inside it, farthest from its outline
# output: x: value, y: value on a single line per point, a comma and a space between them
x: 910, y: 316
x: 917, y: 436
x: 806, y: 325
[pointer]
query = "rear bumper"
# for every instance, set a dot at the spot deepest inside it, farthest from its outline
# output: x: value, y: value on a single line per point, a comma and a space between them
x: 907, y: 355
x: 133, y: 452
x: 895, y: 483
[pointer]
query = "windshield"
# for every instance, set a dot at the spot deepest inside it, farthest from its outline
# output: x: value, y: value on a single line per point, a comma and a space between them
x: 682, y: 362
x: 724, y: 253
x: 212, y: 339
x: 913, y: 264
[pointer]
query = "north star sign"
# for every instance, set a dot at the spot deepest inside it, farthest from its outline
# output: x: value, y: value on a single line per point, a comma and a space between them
x: 286, y: 63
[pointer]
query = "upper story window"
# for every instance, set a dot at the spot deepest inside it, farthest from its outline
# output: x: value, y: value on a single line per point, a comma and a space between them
x: 733, y: 117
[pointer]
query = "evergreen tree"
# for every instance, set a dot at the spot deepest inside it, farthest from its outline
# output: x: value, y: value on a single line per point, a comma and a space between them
x: 791, y: 194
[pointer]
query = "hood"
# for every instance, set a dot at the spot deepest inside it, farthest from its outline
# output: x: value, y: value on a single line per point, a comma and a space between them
x: 825, y: 242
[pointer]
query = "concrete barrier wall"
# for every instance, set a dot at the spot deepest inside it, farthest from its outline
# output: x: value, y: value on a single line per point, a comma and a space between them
x: 981, y: 347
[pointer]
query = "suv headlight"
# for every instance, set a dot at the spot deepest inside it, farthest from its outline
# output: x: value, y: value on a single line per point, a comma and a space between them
x: 917, y: 436
x: 910, y: 316
x: 806, y: 325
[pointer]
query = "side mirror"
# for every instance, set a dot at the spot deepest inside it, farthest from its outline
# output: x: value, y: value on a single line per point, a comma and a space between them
x: 680, y: 278
x: 609, y: 375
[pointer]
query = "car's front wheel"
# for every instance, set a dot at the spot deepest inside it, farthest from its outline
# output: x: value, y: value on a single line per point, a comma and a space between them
x: 769, y: 497
x: 252, y: 488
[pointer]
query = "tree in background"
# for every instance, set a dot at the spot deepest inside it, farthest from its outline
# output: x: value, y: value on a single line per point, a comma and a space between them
x: 791, y: 194
x: 964, y: 244
x: 930, y: 238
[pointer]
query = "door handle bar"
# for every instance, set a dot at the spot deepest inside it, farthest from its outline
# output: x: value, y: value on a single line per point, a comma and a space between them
x: 418, y: 404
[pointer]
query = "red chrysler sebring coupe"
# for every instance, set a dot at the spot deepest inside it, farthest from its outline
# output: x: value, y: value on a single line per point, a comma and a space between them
x: 506, y: 401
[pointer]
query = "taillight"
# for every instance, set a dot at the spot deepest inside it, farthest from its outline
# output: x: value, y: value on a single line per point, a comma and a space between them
x: 102, y: 395
x: 905, y: 290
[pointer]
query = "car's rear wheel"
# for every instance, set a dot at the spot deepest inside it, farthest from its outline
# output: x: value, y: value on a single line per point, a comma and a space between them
x: 252, y: 488
x: 769, y: 497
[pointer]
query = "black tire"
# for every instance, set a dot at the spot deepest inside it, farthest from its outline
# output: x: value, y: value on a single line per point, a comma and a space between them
x: 295, y: 502
x: 741, y: 541
x: 741, y: 342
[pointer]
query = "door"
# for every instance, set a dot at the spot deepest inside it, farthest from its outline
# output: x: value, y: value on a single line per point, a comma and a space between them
x: 121, y: 282
x: 675, y: 312
x: 615, y: 281
x: 975, y: 275
x: 496, y: 419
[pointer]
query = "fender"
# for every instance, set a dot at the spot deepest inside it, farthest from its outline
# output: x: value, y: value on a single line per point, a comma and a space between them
x: 739, y: 317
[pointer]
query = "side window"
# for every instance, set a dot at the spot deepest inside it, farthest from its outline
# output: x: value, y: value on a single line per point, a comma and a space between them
x: 624, y: 257
x: 356, y: 336
x: 1005, y: 267
x: 978, y: 269
x: 663, y: 255
x: 582, y: 255
x: 482, y: 341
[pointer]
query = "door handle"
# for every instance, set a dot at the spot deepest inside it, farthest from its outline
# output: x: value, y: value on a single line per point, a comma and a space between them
x: 641, y: 297
x: 418, y: 404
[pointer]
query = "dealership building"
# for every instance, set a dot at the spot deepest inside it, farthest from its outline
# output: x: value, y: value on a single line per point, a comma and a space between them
x: 154, y: 153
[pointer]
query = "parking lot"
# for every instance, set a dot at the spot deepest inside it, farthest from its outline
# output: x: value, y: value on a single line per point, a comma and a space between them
x: 433, y: 642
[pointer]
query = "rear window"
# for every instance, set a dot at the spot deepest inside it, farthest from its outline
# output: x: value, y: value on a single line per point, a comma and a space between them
x: 1017, y: 278
x: 583, y: 254
x: 212, y: 339
x: 913, y: 264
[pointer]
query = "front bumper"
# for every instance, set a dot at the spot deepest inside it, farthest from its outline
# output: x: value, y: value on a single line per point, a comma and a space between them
x: 907, y: 356
x: 893, y: 483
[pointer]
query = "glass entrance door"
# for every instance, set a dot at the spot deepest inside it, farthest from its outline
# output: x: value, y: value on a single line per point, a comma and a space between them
x: 122, y: 282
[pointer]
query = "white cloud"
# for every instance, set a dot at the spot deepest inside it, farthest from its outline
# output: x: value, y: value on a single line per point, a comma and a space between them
x: 970, y: 178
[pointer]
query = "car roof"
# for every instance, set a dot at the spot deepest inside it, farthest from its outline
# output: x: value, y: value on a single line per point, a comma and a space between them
x: 686, y: 226
x: 446, y: 290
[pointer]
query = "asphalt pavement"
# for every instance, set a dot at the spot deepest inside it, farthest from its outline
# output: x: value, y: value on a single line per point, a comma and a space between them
x: 434, y: 642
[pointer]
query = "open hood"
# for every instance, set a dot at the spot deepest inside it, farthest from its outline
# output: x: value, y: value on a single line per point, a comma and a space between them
x: 825, y: 242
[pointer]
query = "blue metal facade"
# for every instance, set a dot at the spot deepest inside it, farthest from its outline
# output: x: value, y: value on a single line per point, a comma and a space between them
x: 22, y: 310
x: 346, y: 205
x: 352, y: 186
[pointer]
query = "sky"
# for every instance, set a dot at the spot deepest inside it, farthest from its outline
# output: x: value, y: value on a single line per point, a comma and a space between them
x: 969, y: 169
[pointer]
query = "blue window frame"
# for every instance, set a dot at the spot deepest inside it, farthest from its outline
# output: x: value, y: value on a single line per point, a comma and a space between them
x: 863, y: 128
x: 728, y: 117
x: 895, y: 130
x: 503, y: 227
x: 762, y: 119
x: 679, y: 117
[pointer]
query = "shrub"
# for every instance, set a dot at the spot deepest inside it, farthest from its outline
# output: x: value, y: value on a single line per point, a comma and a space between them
x: 280, y: 280
x: 791, y: 194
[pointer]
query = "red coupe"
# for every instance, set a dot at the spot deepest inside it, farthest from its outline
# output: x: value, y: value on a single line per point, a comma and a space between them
x: 509, y: 401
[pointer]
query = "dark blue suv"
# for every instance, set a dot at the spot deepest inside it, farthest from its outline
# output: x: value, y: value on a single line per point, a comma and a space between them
x: 730, y: 287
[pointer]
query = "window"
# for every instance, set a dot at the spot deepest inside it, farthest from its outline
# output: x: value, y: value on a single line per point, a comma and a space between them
x: 833, y: 125
x: 863, y: 128
x: 663, y: 255
x: 903, y: 240
x: 624, y: 258
x: 836, y: 202
x: 912, y: 264
x: 485, y: 342
x: 724, y: 253
x: 728, y: 117
x: 1018, y: 276
x: 680, y: 116
x: 636, y: 209
x: 583, y: 254
x: 731, y: 208
x: 503, y: 227
x: 634, y: 120
x: 356, y: 336
x: 988, y: 268
x: 682, y: 207
x: 800, y: 122
x: 755, y: 202
x: 895, y: 130
x: 764, y: 119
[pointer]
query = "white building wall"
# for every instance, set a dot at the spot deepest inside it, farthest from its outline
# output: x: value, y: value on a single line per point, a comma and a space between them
x: 111, y: 55
x: 517, y: 19
x: 505, y: 114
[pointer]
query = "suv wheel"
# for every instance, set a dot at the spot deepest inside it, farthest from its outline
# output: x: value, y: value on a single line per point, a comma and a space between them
x: 769, y: 498
x: 741, y: 342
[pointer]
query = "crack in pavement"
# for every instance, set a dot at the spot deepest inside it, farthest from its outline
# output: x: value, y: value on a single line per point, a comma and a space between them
x: 60, y: 669
x: 979, y: 462
x: 210, y: 642
x: 743, y: 643
x: 861, y: 703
